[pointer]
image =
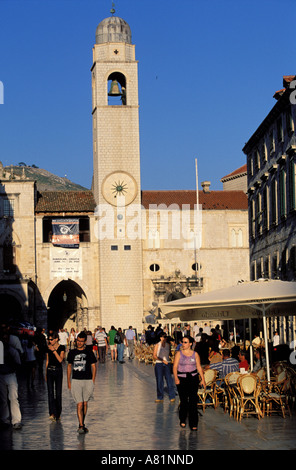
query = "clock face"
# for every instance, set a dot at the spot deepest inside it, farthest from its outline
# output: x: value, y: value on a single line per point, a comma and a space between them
x: 119, y: 188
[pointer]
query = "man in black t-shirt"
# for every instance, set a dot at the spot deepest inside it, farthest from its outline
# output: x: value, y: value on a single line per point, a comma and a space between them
x: 82, y: 370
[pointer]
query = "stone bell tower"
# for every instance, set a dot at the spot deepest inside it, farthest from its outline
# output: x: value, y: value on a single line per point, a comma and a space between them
x: 116, y: 177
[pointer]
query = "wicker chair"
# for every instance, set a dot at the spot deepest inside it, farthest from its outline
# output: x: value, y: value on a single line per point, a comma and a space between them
x: 207, y: 396
x: 148, y: 355
x: 221, y: 394
x: 248, y: 400
x: 291, y: 373
x: 232, y: 392
x: 261, y: 373
x: 276, y: 395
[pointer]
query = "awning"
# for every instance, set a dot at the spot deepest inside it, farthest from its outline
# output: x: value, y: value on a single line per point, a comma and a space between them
x: 256, y: 299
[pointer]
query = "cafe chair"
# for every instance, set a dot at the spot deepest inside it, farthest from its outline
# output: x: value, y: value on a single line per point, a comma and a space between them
x: 232, y: 392
x: 249, y: 388
x: 207, y: 396
x: 277, y: 394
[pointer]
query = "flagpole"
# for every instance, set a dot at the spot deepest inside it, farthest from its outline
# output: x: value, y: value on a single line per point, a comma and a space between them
x: 197, y: 213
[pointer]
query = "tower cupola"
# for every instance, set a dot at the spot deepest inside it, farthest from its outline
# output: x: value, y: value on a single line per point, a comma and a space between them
x: 113, y: 29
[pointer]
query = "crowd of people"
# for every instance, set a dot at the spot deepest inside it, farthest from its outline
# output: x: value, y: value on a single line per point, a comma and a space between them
x: 44, y: 353
x: 195, y: 350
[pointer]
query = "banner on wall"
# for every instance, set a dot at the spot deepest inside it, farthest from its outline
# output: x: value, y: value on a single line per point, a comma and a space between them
x: 65, y: 263
x: 65, y: 233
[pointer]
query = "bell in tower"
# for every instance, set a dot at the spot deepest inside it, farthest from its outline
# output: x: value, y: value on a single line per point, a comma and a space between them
x: 114, y: 89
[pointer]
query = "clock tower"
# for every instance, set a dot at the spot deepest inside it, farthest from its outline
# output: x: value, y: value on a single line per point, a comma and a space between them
x: 116, y: 177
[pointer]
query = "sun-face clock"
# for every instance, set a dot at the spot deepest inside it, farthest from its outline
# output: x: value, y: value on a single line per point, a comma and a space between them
x: 119, y: 188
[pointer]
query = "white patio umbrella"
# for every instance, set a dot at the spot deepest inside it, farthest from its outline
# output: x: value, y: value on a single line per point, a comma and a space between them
x: 256, y: 299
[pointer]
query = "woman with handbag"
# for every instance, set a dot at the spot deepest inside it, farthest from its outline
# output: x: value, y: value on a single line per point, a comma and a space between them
x: 54, y: 375
x: 186, y: 368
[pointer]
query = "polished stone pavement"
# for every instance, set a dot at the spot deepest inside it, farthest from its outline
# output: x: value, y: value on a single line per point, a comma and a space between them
x: 123, y: 416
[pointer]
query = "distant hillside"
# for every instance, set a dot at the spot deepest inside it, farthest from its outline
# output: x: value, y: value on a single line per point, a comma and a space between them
x: 45, y: 180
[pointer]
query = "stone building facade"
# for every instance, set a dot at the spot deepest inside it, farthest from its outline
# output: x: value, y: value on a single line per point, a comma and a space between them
x: 271, y: 167
x: 136, y: 248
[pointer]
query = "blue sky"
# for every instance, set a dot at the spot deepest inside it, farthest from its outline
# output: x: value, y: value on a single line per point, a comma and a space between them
x: 207, y: 74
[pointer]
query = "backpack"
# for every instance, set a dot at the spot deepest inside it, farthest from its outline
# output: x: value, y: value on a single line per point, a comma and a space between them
x: 117, y: 338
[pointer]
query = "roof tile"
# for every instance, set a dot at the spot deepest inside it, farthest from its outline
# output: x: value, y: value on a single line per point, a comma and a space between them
x: 83, y: 201
x: 213, y: 200
x: 65, y: 201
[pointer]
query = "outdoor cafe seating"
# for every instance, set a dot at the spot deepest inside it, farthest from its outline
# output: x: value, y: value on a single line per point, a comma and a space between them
x: 243, y: 393
x: 247, y: 393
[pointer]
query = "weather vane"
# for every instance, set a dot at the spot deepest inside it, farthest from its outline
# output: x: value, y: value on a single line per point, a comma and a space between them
x: 113, y: 8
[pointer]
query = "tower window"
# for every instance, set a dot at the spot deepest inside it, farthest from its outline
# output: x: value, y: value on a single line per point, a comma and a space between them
x: 116, y: 89
x: 154, y: 267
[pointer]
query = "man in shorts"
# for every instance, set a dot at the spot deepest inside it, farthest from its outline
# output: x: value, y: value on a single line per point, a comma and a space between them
x: 82, y: 370
x: 113, y: 346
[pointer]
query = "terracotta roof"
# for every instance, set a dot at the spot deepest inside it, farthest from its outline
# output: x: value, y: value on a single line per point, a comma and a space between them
x: 239, y: 171
x: 83, y: 201
x: 65, y: 201
x: 213, y: 200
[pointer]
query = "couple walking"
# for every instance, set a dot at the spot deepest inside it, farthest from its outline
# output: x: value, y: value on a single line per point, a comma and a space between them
x: 185, y: 370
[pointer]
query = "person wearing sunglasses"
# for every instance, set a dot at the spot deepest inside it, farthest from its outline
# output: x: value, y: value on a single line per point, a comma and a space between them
x: 186, y: 369
x: 54, y: 375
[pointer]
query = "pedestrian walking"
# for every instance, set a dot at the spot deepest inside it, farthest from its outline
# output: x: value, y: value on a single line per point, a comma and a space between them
x: 131, y: 341
x: 63, y: 338
x: 81, y: 374
x: 72, y: 338
x: 40, y: 350
x: 161, y: 354
x: 54, y: 375
x: 9, y: 404
x: 113, y: 349
x: 101, y: 339
x: 30, y: 361
x: 186, y: 368
x: 120, y: 341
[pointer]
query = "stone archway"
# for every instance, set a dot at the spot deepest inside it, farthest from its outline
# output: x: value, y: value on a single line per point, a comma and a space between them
x: 67, y: 307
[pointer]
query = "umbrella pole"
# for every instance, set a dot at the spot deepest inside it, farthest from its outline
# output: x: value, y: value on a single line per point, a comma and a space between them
x: 251, y: 346
x: 266, y: 344
x: 234, y: 331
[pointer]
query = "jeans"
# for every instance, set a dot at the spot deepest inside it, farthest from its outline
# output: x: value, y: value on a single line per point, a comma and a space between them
x: 120, y: 351
x: 102, y: 354
x: 9, y: 396
x: 187, y: 390
x: 164, y: 370
x: 54, y: 388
